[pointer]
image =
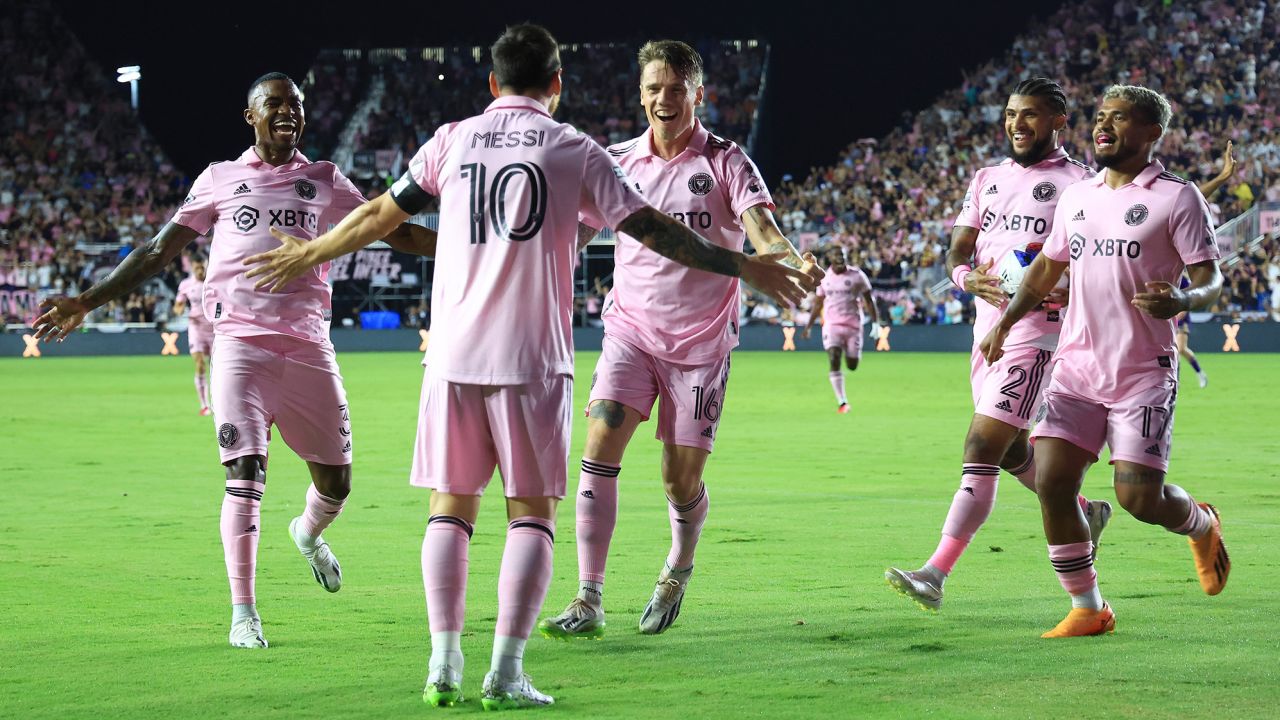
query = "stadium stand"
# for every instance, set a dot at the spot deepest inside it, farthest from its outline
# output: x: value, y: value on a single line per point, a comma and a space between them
x: 891, y: 201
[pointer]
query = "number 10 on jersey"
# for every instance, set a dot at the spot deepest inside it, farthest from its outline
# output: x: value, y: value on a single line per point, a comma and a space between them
x: 494, y: 195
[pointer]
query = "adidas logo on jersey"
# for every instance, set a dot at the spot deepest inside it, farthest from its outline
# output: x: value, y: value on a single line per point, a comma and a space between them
x: 710, y: 432
x: 992, y: 191
x: 1005, y: 406
x: 244, y: 188
x: 1153, y: 450
x: 1079, y: 215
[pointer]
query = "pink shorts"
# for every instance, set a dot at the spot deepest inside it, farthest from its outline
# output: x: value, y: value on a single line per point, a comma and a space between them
x: 692, y: 395
x: 1011, y: 389
x: 199, y: 339
x: 291, y: 383
x: 1138, y: 429
x: 465, y: 431
x: 848, y: 337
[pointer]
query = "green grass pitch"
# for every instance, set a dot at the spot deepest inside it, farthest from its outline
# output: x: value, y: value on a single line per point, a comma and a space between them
x: 115, y: 601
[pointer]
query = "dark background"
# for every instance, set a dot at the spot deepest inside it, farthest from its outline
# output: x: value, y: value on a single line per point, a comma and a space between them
x: 837, y: 73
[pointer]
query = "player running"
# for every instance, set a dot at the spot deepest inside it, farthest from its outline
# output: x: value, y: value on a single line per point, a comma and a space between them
x: 498, y: 383
x: 1007, y: 206
x: 1127, y: 236
x: 668, y: 332
x: 274, y: 362
x: 199, y: 329
x: 841, y: 297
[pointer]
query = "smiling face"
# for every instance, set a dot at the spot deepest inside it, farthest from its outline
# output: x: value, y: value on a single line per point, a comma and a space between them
x: 1121, y: 135
x: 836, y: 261
x: 668, y: 100
x: 197, y: 269
x: 276, y: 114
x: 1032, y: 128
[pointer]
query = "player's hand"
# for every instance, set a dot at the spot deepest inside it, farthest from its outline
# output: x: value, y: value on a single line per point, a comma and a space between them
x: 875, y: 331
x: 1228, y: 163
x: 280, y: 266
x: 804, y: 334
x: 992, y: 346
x: 784, y: 284
x: 1058, y: 298
x: 63, y: 315
x: 1164, y: 301
x: 810, y: 268
x: 985, y: 286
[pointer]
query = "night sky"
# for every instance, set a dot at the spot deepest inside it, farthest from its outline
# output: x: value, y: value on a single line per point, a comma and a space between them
x: 837, y: 73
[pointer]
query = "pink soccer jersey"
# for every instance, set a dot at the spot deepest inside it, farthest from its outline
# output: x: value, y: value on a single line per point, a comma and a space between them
x: 1010, y: 205
x: 243, y: 199
x: 674, y: 312
x: 842, y: 297
x: 1116, y: 241
x: 511, y: 183
x: 191, y: 291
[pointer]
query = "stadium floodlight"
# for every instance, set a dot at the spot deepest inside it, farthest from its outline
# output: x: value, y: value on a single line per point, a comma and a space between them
x: 130, y: 74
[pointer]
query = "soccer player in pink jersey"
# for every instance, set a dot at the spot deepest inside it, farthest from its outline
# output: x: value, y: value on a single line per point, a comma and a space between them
x: 189, y: 299
x: 842, y: 295
x: 1009, y: 207
x: 274, y: 362
x: 668, y: 332
x: 496, y: 392
x: 1127, y: 235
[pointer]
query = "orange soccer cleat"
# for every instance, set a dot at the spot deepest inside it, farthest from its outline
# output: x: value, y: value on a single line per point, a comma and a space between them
x: 1085, y: 621
x: 1213, y: 565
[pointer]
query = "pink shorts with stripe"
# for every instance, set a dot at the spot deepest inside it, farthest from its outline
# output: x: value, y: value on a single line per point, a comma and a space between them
x: 1138, y: 429
x: 466, y: 431
x: 847, y: 337
x: 293, y: 384
x: 1011, y: 389
x: 199, y: 339
x: 692, y: 395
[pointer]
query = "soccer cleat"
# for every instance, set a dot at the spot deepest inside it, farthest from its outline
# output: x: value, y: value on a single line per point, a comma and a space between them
x: 915, y: 585
x: 1081, y: 622
x: 512, y: 694
x: 444, y: 687
x: 205, y: 412
x: 1213, y: 565
x: 323, y: 564
x: 664, y: 606
x: 247, y: 633
x: 843, y: 409
x: 1098, y: 514
x: 1204, y: 379
x: 579, y: 620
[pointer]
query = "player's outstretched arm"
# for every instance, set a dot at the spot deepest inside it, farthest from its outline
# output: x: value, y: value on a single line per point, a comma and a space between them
x: 675, y: 241
x: 412, y: 239
x: 975, y: 281
x: 1212, y: 185
x: 869, y: 299
x: 371, y: 221
x: 818, y: 302
x: 767, y: 238
x: 65, y: 314
x: 1165, y: 300
x: 1039, y: 280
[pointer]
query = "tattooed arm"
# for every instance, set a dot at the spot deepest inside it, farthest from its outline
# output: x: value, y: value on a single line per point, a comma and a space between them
x: 66, y: 313
x: 766, y: 237
x: 586, y: 234
x: 675, y: 241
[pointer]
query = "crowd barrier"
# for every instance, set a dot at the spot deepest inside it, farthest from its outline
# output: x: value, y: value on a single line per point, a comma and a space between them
x: 1252, y: 337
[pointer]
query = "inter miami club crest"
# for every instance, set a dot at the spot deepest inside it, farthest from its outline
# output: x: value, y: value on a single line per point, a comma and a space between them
x: 1044, y: 192
x: 306, y: 189
x: 701, y: 184
x: 1135, y: 215
x: 1077, y: 246
x: 228, y: 435
x: 245, y: 218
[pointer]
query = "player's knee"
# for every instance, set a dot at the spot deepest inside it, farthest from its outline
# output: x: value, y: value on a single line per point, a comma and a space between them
x: 1141, y: 502
x: 333, y: 480
x: 249, y: 467
x: 851, y: 363
x: 978, y: 448
x: 1016, y: 456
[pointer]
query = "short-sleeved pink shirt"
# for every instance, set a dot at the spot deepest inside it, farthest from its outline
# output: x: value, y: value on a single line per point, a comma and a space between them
x: 243, y: 199
x: 1011, y: 205
x: 512, y: 183
x: 842, y: 297
x: 1117, y: 240
x: 674, y: 312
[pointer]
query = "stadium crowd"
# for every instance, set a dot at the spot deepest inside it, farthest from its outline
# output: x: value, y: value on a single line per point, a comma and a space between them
x: 891, y: 202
